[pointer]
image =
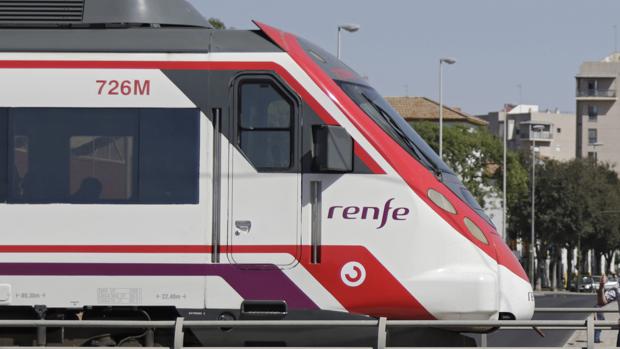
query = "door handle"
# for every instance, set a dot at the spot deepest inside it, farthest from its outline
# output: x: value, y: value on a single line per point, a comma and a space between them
x: 243, y: 227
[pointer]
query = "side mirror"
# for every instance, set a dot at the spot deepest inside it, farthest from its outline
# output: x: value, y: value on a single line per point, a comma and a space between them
x: 333, y: 149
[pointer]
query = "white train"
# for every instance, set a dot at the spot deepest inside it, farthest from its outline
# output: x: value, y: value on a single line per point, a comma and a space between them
x: 151, y: 167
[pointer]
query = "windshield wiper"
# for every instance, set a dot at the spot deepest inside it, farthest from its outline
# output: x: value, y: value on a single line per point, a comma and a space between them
x: 429, y: 164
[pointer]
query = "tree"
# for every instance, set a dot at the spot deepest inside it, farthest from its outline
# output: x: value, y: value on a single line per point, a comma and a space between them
x: 216, y: 23
x: 604, y: 237
x: 476, y: 156
x: 572, y: 199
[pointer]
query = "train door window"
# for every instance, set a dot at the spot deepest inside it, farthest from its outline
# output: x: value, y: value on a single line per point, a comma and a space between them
x: 266, y: 121
x: 4, y: 151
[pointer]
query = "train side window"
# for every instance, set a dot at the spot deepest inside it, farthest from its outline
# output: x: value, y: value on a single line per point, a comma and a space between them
x: 73, y: 155
x: 103, y: 156
x: 20, y: 161
x: 169, y: 156
x: 266, y: 118
x: 4, y: 151
x: 101, y: 168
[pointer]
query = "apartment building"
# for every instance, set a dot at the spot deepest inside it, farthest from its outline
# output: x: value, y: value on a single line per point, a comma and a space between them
x: 552, y: 132
x: 598, y: 112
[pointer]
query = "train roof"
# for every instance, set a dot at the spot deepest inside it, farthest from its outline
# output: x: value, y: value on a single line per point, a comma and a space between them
x: 118, y: 26
x: 67, y: 13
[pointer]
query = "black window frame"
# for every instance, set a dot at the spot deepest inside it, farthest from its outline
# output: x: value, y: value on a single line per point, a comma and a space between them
x: 137, y: 197
x: 593, y: 113
x: 4, y: 155
x: 294, y: 127
x: 590, y: 132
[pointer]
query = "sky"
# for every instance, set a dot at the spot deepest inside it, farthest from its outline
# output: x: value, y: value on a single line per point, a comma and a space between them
x: 498, y: 44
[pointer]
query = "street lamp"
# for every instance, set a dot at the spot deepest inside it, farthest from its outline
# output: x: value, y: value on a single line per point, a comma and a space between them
x: 533, y: 128
x: 441, y: 62
x: 351, y: 28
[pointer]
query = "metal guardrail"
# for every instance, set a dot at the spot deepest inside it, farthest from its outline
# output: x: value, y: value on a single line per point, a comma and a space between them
x: 382, y: 324
x: 596, y: 93
x: 540, y: 135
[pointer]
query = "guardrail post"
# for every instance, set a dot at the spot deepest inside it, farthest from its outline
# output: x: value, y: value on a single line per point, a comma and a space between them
x: 381, y: 333
x: 41, y: 336
x: 178, y: 333
x: 590, y: 331
x: 149, y: 339
x: 41, y: 310
x: 484, y: 340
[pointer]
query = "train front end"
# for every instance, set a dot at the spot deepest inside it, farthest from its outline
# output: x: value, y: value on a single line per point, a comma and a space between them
x: 457, y: 266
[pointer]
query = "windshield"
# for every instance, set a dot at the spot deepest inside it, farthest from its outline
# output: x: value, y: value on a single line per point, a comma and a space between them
x: 381, y: 112
x: 399, y: 129
x: 390, y: 121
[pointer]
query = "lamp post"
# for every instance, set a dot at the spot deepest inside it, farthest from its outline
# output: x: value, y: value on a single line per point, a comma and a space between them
x: 533, y: 128
x: 351, y: 28
x: 441, y: 62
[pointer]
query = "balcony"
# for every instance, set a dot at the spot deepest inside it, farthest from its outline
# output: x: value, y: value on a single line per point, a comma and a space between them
x: 539, y: 131
x: 545, y: 136
x: 597, y: 94
x: 542, y: 135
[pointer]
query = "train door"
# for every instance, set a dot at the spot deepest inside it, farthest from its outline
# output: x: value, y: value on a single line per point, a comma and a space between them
x: 264, y: 171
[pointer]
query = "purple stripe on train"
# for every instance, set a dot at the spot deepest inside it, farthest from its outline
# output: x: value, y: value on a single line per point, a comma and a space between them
x: 252, y: 282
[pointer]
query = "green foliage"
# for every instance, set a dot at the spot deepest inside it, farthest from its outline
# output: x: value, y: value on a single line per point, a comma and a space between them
x: 577, y: 203
x: 216, y: 23
x: 476, y: 156
x: 573, y: 200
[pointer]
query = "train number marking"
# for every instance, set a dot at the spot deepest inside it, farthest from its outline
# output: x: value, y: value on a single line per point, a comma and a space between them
x: 353, y: 274
x: 124, y: 87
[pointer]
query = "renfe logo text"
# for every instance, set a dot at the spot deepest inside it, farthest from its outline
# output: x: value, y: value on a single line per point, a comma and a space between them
x: 370, y: 212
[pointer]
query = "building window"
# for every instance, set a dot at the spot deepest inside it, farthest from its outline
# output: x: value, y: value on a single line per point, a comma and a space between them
x: 99, y: 156
x: 265, y: 125
x: 592, y: 155
x: 592, y: 136
x: 558, y: 130
x: 592, y: 113
x: 592, y: 84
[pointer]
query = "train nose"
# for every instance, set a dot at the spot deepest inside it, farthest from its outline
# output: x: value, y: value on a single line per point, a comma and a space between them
x: 516, y: 294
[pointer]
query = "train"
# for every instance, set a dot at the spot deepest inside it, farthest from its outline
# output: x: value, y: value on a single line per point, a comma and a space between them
x: 153, y: 167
